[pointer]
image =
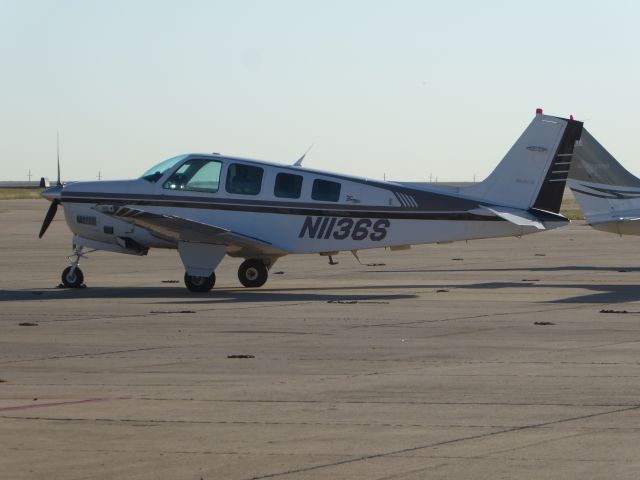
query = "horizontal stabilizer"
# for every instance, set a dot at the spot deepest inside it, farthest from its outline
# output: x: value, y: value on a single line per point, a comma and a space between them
x: 515, y: 216
x: 612, y: 218
x: 620, y: 223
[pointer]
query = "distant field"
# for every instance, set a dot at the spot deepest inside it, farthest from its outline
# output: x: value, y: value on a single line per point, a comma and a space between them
x: 572, y: 214
x: 19, y: 193
x: 570, y: 209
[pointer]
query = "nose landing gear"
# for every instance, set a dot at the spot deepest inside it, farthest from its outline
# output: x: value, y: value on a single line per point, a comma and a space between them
x: 72, y: 276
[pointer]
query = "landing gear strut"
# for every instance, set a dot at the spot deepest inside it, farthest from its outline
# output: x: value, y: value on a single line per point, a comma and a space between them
x: 199, y: 284
x: 253, y: 273
x: 72, y: 276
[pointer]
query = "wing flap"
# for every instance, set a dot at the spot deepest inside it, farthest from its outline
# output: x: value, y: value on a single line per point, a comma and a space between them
x: 179, y: 229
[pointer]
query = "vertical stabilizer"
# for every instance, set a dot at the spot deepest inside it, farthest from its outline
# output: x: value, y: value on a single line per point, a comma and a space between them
x: 594, y: 164
x: 534, y: 171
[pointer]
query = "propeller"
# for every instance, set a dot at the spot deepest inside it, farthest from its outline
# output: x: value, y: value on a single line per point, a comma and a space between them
x: 49, y: 216
x: 53, y: 194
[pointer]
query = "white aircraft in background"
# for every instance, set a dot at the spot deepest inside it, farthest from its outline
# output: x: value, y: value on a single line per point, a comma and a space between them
x: 209, y: 205
x: 608, y: 195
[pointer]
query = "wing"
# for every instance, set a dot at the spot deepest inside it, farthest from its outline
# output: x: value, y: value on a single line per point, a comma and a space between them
x: 178, y: 229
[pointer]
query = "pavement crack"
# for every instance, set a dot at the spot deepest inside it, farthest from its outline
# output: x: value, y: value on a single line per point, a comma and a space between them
x: 365, y: 458
x: 468, y: 317
x: 81, y: 355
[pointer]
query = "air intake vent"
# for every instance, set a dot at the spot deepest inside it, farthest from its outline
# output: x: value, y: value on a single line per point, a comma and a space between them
x: 86, y: 220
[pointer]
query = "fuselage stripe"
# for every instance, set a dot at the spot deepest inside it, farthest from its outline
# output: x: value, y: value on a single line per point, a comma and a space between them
x: 289, y: 209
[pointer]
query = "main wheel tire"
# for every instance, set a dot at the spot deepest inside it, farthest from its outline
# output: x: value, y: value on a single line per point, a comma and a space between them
x: 199, y: 284
x: 72, y: 279
x: 253, y: 273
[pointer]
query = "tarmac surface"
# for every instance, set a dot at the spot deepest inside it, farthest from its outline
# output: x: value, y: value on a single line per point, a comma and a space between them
x: 480, y: 360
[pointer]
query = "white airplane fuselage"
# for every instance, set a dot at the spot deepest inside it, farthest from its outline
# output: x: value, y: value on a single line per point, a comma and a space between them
x: 378, y: 219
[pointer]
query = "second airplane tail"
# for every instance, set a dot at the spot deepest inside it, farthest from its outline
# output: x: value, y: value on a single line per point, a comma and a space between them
x: 608, y: 194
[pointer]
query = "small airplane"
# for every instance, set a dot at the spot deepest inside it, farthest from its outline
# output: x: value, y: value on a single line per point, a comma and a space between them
x: 210, y: 205
x: 607, y: 193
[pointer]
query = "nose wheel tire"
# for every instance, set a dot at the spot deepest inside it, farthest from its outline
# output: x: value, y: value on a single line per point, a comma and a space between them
x: 72, y: 279
x: 253, y: 273
x: 199, y: 284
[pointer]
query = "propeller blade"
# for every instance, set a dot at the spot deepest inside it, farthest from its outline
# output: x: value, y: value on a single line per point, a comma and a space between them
x: 49, y: 216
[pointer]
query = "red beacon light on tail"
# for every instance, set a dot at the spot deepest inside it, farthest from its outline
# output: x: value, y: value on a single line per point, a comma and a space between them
x: 538, y: 111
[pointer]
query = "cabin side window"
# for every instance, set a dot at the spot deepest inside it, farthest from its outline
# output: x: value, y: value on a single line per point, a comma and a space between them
x: 325, y: 191
x: 196, y: 175
x: 244, y: 179
x: 288, y: 185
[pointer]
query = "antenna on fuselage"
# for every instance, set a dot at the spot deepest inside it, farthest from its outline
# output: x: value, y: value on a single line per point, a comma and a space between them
x: 59, y: 183
x: 299, y: 161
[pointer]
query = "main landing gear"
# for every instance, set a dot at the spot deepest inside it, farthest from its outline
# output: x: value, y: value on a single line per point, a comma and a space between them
x: 199, y: 284
x: 72, y: 276
x: 253, y: 273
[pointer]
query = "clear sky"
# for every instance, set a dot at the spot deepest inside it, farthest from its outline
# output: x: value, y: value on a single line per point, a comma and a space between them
x: 410, y: 89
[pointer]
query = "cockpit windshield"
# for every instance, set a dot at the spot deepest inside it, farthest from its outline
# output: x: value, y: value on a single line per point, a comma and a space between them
x: 156, y: 172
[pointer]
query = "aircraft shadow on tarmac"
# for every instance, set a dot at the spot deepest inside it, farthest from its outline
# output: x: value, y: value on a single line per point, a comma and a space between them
x: 603, y: 293
x: 180, y: 295
x: 565, y: 268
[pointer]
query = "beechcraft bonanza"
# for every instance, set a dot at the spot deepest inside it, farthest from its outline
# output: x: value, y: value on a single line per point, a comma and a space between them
x: 608, y: 194
x: 208, y: 205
